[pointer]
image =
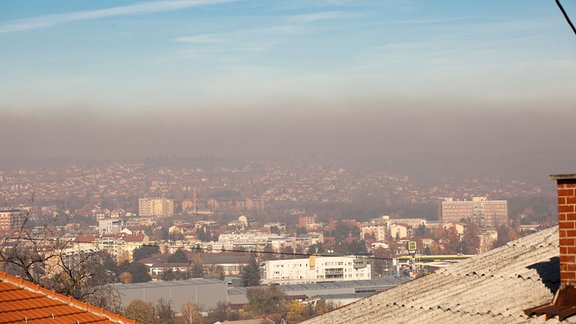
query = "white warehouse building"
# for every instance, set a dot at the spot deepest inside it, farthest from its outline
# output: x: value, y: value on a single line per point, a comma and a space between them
x: 316, y: 269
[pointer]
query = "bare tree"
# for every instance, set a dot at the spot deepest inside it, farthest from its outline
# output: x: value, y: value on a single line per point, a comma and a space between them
x: 164, y: 311
x: 190, y: 313
x: 471, y: 239
x: 35, y: 249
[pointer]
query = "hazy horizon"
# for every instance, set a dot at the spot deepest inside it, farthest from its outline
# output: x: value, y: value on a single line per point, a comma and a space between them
x: 411, y: 81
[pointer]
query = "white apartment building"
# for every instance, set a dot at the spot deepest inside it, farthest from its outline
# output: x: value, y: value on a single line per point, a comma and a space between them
x: 480, y: 210
x: 316, y: 269
x: 160, y: 207
x: 120, y: 245
x: 398, y: 231
x: 246, y: 238
x: 110, y: 226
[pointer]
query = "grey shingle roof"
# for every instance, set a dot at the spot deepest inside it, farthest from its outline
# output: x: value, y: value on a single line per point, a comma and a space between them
x: 495, y: 287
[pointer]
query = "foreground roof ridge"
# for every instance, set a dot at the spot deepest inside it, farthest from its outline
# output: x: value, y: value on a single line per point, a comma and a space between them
x: 40, y: 292
x: 492, y: 287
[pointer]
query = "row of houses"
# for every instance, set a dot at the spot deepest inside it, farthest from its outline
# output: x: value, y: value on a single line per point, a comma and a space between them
x: 120, y: 245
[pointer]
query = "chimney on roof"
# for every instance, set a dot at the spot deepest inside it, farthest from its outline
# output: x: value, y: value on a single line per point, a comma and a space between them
x: 566, y: 184
x: 564, y: 303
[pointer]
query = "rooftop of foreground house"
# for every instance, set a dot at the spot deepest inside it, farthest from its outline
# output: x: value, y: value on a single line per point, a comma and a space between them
x: 494, y: 287
x: 23, y: 302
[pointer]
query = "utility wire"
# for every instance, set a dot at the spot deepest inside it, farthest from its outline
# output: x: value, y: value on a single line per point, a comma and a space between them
x: 566, y: 16
x: 362, y: 256
x: 58, y: 240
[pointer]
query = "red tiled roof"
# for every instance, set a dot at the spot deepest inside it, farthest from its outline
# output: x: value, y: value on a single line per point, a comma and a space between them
x: 89, y: 238
x: 126, y: 237
x: 133, y: 237
x: 23, y: 302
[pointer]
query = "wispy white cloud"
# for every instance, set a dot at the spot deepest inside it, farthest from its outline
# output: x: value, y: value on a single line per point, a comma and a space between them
x: 437, y: 20
x: 137, y: 9
x: 431, y: 53
x: 320, y: 16
x: 229, y: 52
x: 199, y: 39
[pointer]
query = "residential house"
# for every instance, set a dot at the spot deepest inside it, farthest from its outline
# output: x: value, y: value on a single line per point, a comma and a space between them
x: 398, y: 231
x: 158, y: 264
x: 215, y: 265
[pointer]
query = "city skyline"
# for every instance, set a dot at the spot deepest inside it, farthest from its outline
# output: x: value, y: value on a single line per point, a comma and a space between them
x: 131, y: 79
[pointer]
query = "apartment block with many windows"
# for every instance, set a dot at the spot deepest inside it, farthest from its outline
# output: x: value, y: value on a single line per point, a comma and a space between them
x: 480, y: 210
x: 316, y: 269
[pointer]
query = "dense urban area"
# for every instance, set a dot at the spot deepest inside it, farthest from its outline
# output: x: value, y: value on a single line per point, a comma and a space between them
x: 285, y: 238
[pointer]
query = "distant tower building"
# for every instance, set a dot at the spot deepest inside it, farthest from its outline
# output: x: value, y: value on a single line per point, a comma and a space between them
x: 11, y: 219
x: 305, y: 221
x: 486, y: 213
x: 160, y: 207
x: 378, y: 231
x: 188, y: 207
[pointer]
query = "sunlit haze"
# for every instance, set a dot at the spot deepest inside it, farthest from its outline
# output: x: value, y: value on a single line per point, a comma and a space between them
x: 122, y: 79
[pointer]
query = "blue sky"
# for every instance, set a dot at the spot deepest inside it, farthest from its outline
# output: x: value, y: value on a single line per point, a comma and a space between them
x: 289, y: 63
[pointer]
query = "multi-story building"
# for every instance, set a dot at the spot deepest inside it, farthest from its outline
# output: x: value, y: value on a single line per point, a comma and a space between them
x: 480, y: 210
x: 11, y: 219
x: 160, y: 207
x: 70, y: 259
x: 215, y: 265
x: 110, y: 226
x: 398, y: 231
x: 120, y: 245
x: 247, y: 240
x: 316, y: 269
x: 377, y: 231
x: 189, y: 206
x: 305, y: 221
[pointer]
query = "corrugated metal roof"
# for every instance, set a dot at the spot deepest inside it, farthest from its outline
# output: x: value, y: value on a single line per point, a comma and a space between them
x: 387, y: 282
x: 153, y: 284
x: 495, y: 287
x: 343, y: 296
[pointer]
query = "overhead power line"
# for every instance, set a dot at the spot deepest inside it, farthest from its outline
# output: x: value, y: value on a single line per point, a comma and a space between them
x: 363, y: 256
x: 566, y: 16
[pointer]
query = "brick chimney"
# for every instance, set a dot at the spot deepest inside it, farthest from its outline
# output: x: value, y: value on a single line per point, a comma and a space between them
x: 564, y: 303
x: 566, y: 184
